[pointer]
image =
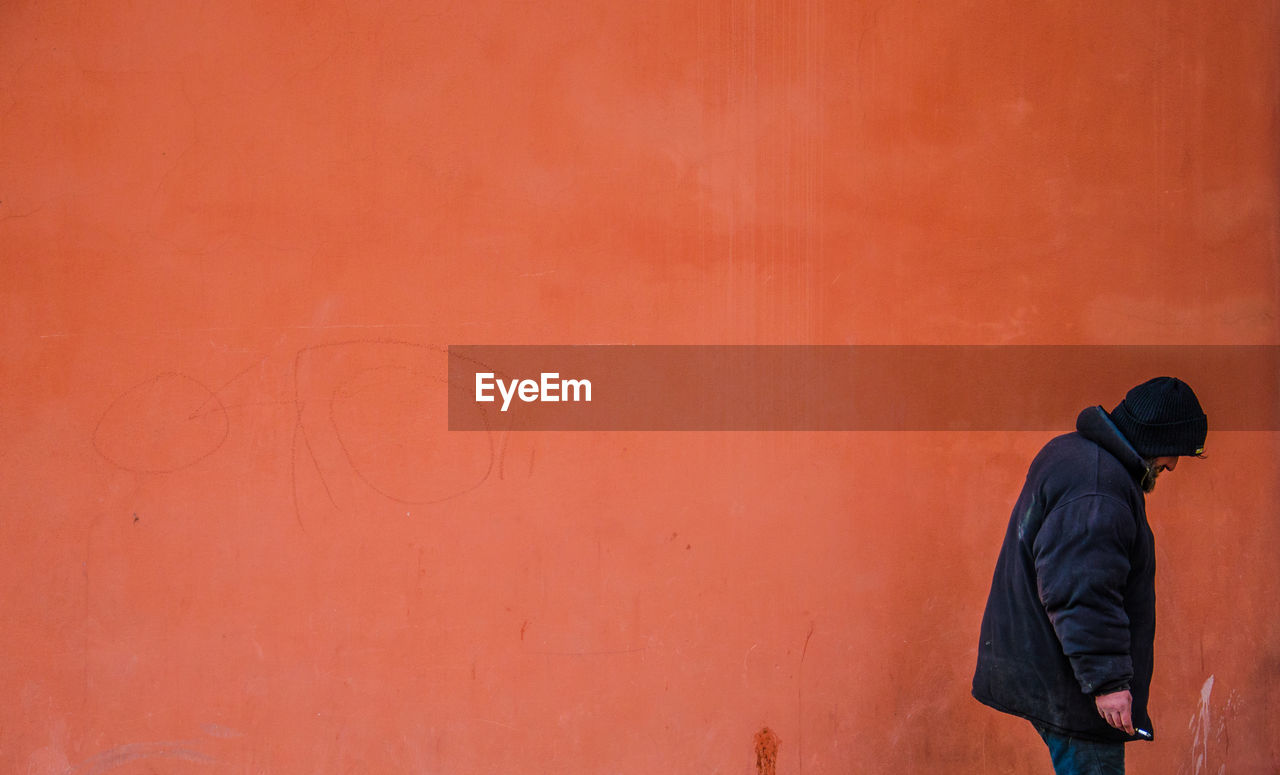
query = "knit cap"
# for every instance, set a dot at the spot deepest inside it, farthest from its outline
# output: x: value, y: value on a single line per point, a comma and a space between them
x: 1162, y: 417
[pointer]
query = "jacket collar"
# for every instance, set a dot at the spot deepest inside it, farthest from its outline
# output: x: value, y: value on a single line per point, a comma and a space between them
x: 1095, y: 425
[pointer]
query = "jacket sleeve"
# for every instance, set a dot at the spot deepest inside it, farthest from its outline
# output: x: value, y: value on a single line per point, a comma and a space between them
x: 1082, y: 566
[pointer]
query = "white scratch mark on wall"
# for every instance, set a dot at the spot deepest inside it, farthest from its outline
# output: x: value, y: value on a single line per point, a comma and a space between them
x: 1199, y: 724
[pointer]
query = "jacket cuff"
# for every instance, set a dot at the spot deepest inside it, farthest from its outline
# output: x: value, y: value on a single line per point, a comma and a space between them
x: 1111, y: 686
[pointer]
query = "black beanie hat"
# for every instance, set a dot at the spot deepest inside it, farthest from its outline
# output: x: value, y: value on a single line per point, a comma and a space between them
x: 1162, y: 417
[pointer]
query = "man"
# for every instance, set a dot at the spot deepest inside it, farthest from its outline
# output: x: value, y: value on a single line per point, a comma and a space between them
x: 1067, y: 635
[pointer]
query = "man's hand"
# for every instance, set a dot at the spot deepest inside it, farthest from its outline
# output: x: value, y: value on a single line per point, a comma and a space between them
x: 1117, y: 709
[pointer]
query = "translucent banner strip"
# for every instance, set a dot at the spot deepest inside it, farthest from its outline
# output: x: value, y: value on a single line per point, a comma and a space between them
x: 841, y: 388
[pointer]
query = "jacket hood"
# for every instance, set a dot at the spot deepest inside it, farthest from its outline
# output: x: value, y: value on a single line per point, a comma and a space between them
x: 1095, y: 425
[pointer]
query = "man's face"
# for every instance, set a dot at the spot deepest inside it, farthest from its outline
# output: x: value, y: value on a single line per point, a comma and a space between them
x: 1158, y: 466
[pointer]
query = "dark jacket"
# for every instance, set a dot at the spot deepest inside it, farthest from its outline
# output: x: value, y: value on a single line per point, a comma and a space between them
x: 1072, y: 607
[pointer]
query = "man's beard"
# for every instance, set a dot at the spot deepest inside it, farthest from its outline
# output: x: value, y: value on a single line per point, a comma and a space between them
x: 1149, y: 478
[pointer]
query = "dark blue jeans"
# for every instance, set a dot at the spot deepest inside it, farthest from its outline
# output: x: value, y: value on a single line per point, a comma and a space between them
x: 1073, y: 756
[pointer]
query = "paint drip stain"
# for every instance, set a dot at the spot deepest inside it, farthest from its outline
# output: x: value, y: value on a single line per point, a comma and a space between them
x: 767, y: 752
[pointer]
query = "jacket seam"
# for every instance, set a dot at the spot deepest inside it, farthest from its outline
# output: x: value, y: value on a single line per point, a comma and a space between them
x: 1108, y: 496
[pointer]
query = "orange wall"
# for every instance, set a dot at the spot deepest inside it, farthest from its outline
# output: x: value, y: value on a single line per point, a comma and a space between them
x: 236, y: 238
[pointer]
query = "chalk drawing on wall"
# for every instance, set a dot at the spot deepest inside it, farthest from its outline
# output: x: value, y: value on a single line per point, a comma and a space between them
x: 369, y: 424
x: 164, y: 424
x: 375, y: 412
